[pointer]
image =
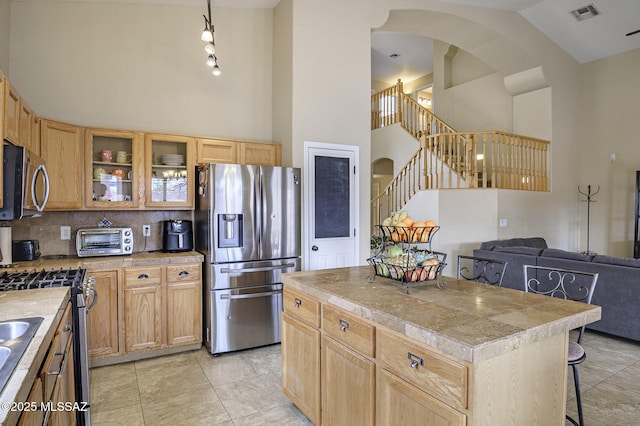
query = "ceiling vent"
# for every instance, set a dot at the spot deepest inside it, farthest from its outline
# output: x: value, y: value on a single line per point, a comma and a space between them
x: 585, y: 12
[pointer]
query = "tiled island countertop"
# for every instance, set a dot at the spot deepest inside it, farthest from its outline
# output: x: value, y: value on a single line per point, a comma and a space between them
x: 464, y: 354
x: 470, y: 321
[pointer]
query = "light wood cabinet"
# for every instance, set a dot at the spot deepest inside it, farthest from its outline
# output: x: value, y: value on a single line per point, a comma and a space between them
x: 57, y: 374
x: 62, y: 151
x: 102, y: 321
x: 265, y: 154
x: 163, y: 306
x: 169, y: 171
x: 348, y: 385
x: 26, y: 125
x: 11, y: 113
x: 301, y: 365
x: 300, y: 336
x: 118, y: 182
x: 143, y: 316
x: 216, y: 151
x: 184, y: 304
x: 33, y: 417
x: 35, y: 135
x: 399, y: 400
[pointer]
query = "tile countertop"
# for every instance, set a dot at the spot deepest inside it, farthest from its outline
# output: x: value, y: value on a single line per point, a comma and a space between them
x: 473, y: 322
x: 48, y: 303
x: 111, y: 262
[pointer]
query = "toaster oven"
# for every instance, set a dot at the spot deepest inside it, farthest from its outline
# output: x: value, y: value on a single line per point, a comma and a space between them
x: 104, y: 242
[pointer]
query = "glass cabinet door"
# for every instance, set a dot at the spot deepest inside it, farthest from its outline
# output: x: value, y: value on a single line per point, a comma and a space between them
x: 169, y: 171
x: 114, y: 163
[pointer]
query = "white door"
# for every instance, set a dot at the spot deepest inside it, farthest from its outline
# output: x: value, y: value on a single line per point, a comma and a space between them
x: 331, y: 209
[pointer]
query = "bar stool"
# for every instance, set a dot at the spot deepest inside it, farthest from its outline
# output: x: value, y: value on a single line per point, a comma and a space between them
x: 569, y: 285
x: 487, y: 271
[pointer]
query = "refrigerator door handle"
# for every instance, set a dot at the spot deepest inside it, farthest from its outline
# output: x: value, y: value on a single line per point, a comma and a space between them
x: 261, y: 269
x: 250, y: 296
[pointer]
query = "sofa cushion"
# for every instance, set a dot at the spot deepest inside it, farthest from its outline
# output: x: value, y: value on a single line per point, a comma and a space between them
x: 564, y: 254
x: 533, y: 251
x: 537, y: 242
x: 620, y: 261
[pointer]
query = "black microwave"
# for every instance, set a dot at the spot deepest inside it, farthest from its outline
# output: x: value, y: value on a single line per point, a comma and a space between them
x: 25, y: 183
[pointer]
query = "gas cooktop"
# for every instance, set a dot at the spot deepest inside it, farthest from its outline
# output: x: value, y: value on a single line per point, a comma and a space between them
x: 24, y: 280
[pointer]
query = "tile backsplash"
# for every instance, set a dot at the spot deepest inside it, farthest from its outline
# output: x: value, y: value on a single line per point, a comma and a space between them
x: 46, y: 228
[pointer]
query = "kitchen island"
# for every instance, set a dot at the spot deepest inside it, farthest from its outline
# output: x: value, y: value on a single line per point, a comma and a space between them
x: 365, y: 351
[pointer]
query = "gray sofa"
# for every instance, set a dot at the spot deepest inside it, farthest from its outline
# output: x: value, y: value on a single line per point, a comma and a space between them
x: 617, y: 290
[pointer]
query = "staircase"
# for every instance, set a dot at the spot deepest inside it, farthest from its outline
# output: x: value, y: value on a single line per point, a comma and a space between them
x: 448, y: 159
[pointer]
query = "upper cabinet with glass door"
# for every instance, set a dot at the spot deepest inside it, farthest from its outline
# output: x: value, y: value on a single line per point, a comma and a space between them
x: 113, y: 167
x: 169, y: 171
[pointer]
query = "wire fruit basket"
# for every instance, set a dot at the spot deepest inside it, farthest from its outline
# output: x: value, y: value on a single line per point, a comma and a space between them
x: 405, y: 255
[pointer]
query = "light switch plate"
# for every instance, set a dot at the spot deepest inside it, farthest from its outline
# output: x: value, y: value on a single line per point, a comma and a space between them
x: 504, y: 223
x: 65, y: 232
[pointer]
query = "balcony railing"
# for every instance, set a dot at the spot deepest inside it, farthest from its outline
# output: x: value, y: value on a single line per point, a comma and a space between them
x: 448, y: 159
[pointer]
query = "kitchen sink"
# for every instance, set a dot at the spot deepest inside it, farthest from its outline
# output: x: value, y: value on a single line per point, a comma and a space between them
x: 4, y: 355
x: 15, y: 337
x: 10, y: 330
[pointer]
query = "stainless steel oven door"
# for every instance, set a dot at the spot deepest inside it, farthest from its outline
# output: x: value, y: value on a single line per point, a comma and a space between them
x: 82, y: 359
x: 244, y: 317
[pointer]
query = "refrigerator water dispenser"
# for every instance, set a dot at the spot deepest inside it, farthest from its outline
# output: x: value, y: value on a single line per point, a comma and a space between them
x: 229, y: 230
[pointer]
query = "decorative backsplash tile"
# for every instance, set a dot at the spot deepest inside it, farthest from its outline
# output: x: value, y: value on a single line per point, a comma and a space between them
x: 46, y: 228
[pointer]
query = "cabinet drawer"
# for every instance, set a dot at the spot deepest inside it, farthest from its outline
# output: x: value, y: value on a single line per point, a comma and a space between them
x: 302, y: 307
x: 135, y: 277
x: 439, y: 376
x: 187, y: 272
x: 350, y: 330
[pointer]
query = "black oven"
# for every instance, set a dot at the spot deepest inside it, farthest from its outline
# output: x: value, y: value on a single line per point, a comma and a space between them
x: 83, y: 297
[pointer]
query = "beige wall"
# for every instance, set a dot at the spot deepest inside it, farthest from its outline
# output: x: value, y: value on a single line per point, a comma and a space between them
x: 609, y: 125
x: 141, y: 67
x: 5, y: 27
x: 127, y: 74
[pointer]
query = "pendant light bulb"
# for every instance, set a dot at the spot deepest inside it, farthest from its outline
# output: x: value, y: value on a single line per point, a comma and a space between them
x: 206, y: 35
x: 211, y: 61
x: 216, y: 70
x: 210, y: 48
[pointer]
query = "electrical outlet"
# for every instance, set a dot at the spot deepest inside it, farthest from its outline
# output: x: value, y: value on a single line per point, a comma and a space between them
x: 65, y: 232
x: 146, y: 230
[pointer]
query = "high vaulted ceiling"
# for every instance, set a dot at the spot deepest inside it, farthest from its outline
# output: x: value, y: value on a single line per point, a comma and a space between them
x: 598, y: 37
x: 601, y: 36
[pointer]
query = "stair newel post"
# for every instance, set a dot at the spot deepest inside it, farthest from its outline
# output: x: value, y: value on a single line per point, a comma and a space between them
x: 399, y: 101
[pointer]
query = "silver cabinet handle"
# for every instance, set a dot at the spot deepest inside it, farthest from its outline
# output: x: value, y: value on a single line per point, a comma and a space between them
x: 183, y: 273
x: 297, y: 302
x: 143, y: 276
x: 415, y: 360
x: 344, y: 325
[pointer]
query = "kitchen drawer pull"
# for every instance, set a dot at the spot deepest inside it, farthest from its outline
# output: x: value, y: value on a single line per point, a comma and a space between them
x: 415, y: 360
x: 344, y: 325
x: 297, y: 302
x: 143, y: 276
x: 183, y: 273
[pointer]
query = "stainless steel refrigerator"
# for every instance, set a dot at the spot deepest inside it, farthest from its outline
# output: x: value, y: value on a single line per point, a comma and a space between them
x: 247, y: 224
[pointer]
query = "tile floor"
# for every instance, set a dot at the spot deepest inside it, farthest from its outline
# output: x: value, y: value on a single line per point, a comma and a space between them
x: 243, y: 388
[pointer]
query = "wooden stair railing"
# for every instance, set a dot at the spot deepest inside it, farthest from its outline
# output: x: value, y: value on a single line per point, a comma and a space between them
x: 450, y: 159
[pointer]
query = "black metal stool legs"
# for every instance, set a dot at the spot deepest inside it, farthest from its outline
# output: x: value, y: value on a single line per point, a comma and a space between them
x: 576, y: 380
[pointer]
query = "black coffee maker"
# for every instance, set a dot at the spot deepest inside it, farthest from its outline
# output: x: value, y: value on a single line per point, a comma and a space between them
x: 177, y: 235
